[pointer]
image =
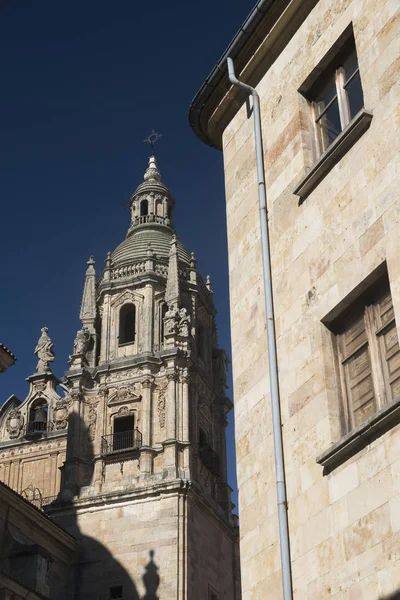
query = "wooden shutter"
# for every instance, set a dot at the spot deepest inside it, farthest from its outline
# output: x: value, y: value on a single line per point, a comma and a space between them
x: 388, y: 343
x: 354, y: 354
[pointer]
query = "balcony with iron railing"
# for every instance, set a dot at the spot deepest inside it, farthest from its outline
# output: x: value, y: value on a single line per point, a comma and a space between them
x: 144, y: 219
x: 126, y: 441
x: 36, y: 428
x: 209, y: 458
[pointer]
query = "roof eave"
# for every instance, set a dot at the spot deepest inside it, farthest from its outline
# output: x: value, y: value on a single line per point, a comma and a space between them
x: 265, y: 32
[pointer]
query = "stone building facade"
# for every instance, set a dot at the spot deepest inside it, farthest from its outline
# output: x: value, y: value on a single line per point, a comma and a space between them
x: 327, y: 73
x: 131, y: 459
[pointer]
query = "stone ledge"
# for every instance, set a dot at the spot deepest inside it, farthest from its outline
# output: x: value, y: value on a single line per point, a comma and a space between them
x: 360, y: 437
x: 334, y: 153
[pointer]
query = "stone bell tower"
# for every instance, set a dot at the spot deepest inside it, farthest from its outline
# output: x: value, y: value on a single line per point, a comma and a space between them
x: 145, y: 468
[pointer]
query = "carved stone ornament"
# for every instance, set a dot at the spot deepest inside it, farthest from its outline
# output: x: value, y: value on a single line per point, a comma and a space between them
x: 161, y: 405
x: 14, y: 424
x: 171, y: 321
x: 92, y: 419
x: 124, y: 394
x: 44, y: 352
x: 39, y: 387
x: 183, y: 323
x: 60, y: 414
x: 82, y: 340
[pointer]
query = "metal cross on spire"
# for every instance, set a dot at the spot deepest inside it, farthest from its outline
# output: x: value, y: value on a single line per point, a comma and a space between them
x: 152, y: 139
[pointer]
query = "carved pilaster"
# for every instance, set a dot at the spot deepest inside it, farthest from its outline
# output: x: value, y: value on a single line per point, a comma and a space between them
x: 171, y: 405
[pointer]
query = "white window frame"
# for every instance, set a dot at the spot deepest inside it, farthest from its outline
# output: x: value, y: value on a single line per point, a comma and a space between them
x: 318, y: 110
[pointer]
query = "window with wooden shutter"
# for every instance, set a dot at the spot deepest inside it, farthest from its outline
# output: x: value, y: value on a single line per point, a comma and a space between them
x: 368, y: 356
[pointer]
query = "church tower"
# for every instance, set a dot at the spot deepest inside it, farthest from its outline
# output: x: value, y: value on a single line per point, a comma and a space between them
x: 143, y: 482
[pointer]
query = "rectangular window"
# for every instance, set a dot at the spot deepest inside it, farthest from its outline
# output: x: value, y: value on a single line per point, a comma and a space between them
x: 335, y: 97
x: 368, y: 356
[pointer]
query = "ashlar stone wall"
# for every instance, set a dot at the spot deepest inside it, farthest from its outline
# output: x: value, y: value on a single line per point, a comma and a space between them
x: 344, y: 526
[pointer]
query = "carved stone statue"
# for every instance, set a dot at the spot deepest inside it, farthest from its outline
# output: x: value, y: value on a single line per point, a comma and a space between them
x: 44, y: 352
x: 184, y: 322
x: 170, y: 320
x: 221, y: 362
x: 82, y: 340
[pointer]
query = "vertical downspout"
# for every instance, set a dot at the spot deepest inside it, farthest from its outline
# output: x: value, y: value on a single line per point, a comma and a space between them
x: 272, y: 355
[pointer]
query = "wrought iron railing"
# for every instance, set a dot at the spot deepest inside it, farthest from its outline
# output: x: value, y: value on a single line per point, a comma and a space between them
x: 121, y: 442
x: 36, y: 428
x: 209, y: 458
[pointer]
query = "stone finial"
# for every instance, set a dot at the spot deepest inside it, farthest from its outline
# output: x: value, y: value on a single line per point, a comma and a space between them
x: 108, y: 260
x: 88, y: 306
x: 152, y: 173
x: 193, y: 261
x: 208, y: 283
x: 44, y: 352
x: 172, y: 289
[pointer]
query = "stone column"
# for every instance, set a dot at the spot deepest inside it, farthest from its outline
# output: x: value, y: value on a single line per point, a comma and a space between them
x: 99, y: 432
x: 146, y: 455
x: 170, y: 446
x: 185, y: 406
x: 148, y: 319
x: 147, y: 385
x: 171, y: 406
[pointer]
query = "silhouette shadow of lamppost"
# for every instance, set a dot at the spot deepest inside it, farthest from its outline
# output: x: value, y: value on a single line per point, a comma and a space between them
x: 151, y: 579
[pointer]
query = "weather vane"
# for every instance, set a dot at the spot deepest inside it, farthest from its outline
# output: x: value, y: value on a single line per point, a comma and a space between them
x: 152, y: 139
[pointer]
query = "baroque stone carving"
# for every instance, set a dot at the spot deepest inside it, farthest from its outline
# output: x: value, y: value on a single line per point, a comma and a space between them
x: 60, y: 414
x: 124, y: 394
x: 82, y: 340
x: 171, y: 320
x: 220, y: 367
x: 44, y: 352
x: 91, y: 421
x: 39, y: 387
x: 14, y: 423
x: 184, y: 322
x: 161, y: 404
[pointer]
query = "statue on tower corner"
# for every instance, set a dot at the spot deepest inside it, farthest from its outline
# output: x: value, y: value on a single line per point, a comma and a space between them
x: 81, y: 347
x: 82, y: 339
x: 184, y: 322
x: 44, y: 352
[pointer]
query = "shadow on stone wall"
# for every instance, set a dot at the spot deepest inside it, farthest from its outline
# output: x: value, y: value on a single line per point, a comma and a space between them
x: 98, y: 575
x: 395, y: 596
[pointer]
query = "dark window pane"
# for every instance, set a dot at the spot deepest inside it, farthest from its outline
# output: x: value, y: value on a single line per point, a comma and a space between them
x: 355, y: 95
x: 329, y: 125
x: 326, y: 92
x: 350, y: 64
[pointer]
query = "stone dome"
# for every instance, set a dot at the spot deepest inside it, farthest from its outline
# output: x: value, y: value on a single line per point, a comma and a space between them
x: 135, y: 247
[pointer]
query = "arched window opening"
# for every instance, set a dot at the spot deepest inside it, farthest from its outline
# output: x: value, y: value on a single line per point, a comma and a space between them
x: 163, y: 312
x: 38, y: 417
x: 127, y: 323
x: 123, y: 437
x: 144, y: 208
x: 169, y: 212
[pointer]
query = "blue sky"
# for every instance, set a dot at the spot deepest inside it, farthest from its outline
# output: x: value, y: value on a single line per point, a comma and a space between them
x: 83, y: 83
